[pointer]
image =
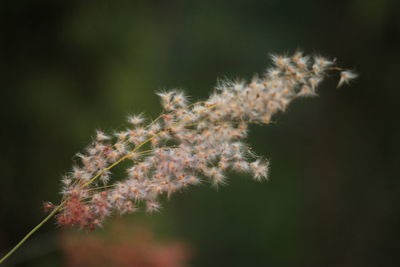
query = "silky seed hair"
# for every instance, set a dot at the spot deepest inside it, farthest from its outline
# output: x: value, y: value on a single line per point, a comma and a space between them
x: 188, y: 144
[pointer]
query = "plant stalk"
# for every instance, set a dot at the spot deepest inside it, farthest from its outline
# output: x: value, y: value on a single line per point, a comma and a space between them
x: 31, y: 232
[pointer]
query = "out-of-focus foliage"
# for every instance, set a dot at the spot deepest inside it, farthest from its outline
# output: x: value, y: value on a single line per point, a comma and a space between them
x: 69, y: 67
x: 124, y: 245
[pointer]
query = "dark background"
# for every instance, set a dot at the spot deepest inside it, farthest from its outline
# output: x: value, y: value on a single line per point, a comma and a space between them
x: 69, y: 67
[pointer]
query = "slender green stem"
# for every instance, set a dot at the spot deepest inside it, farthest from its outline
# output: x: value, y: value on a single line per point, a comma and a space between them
x: 121, y: 159
x: 31, y: 232
x: 62, y: 204
x: 59, y: 207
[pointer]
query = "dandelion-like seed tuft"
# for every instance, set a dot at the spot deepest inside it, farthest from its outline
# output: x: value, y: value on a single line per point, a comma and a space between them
x: 346, y: 77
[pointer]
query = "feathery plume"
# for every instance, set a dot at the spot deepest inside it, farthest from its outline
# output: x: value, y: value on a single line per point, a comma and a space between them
x: 187, y: 143
x: 184, y: 146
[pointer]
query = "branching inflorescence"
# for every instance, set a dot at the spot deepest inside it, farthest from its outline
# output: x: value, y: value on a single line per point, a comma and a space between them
x: 187, y: 143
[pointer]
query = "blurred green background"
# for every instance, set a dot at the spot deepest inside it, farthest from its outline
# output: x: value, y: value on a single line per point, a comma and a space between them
x: 70, y: 67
